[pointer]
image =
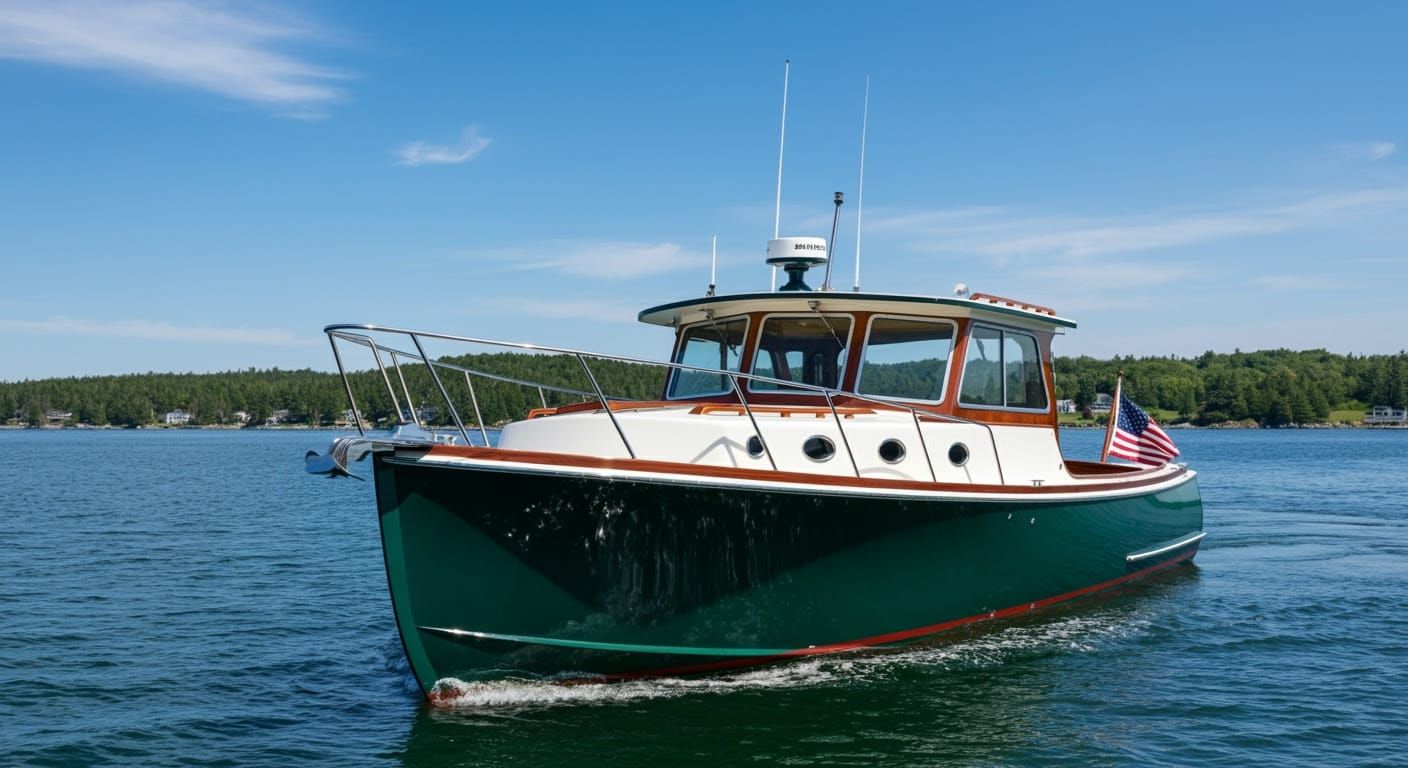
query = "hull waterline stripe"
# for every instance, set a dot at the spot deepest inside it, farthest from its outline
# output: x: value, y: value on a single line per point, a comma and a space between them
x: 895, y: 637
x: 1183, y: 542
x: 462, y: 635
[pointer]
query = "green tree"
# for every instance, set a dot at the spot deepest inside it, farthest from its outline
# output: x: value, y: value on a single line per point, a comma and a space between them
x: 1085, y: 392
x: 130, y: 410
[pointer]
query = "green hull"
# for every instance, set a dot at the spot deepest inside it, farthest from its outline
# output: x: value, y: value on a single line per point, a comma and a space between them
x: 497, y: 573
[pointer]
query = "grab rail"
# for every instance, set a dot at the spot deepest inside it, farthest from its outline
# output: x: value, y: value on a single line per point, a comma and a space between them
x: 359, y: 333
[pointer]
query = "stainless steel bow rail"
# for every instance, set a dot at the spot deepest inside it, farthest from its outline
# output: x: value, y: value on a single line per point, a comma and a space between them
x: 360, y: 334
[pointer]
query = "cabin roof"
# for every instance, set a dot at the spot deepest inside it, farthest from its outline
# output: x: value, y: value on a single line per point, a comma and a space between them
x: 977, y: 306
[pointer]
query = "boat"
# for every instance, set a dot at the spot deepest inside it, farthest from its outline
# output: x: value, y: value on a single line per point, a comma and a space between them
x: 818, y: 472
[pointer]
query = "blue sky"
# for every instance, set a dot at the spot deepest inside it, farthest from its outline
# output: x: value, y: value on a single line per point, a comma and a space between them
x: 202, y: 186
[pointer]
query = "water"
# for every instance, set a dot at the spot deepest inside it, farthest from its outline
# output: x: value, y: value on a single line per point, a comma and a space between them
x: 192, y: 598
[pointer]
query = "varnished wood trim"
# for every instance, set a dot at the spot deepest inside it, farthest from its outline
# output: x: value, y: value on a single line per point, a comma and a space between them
x: 855, y: 350
x: 999, y: 417
x: 784, y: 411
x: 1083, y: 468
x: 595, y: 405
x: 795, y: 478
x: 960, y: 358
x: 1054, y: 418
x: 1002, y: 300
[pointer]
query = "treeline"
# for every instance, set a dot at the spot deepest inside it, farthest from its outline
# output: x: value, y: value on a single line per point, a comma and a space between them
x: 255, y: 397
x: 1270, y: 387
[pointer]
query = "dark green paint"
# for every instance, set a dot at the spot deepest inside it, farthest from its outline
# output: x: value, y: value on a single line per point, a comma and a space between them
x: 679, y: 569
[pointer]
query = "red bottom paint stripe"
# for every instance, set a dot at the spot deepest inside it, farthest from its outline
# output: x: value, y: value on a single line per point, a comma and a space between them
x: 907, y: 634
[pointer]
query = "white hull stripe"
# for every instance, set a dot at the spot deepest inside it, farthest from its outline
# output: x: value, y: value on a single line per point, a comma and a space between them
x: 1179, y: 544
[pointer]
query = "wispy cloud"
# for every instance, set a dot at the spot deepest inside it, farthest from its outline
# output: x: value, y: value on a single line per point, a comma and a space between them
x: 1292, y: 282
x: 1112, y: 276
x: 1367, y: 150
x: 1006, y: 233
x: 159, y: 331
x: 230, y: 50
x: 421, y: 153
x: 602, y: 259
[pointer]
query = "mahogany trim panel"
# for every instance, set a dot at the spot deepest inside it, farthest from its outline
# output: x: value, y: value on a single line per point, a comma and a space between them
x: 1151, y: 476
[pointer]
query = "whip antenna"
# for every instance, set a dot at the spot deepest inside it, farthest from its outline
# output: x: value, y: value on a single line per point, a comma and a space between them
x: 713, y: 265
x: 860, y: 190
x: 831, y: 244
x: 781, y: 142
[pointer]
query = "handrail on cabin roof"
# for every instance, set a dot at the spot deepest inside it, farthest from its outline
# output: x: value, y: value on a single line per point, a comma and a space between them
x: 993, y: 299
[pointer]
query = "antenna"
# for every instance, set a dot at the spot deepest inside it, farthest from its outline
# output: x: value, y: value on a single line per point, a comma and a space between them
x: 781, y: 142
x: 831, y: 244
x: 713, y: 265
x: 860, y: 190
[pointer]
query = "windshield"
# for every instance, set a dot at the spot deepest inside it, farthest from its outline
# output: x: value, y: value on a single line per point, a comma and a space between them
x: 708, y: 345
x: 811, y: 350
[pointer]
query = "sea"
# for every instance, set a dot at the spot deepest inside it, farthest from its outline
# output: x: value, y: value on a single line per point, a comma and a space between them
x: 193, y: 598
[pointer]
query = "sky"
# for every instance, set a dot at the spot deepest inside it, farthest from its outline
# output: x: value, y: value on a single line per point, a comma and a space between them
x: 202, y: 186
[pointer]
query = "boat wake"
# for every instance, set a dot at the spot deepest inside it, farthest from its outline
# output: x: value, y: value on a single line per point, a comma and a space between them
x: 999, y: 644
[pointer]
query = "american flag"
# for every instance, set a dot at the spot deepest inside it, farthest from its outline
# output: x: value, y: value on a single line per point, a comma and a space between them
x: 1138, y: 438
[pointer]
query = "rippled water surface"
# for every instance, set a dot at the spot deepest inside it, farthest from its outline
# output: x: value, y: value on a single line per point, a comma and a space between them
x: 193, y: 598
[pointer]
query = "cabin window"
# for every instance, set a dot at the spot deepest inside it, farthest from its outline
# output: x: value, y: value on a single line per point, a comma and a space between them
x: 906, y: 358
x: 1002, y: 370
x: 1022, y: 363
x: 809, y: 349
x: 716, y: 345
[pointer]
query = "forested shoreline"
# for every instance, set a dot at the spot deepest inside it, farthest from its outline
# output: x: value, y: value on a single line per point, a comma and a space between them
x: 1269, y: 388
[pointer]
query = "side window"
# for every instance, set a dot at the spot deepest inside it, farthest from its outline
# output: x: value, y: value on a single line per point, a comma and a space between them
x: 708, y: 345
x: 982, y: 370
x: 810, y: 350
x: 1023, y: 368
x: 906, y: 359
x: 1002, y: 369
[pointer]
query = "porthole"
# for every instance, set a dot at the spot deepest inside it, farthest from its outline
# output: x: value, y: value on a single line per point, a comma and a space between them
x: 755, y: 446
x: 958, y: 454
x: 818, y: 448
x: 892, y: 451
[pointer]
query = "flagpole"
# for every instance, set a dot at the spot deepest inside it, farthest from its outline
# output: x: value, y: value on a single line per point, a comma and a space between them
x: 1110, y: 422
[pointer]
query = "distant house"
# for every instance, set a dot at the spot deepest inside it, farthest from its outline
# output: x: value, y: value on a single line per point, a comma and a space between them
x: 1102, y: 403
x: 176, y: 418
x: 241, y: 417
x: 56, y: 417
x: 1065, y: 406
x: 349, y: 417
x: 426, y: 414
x: 280, y: 416
x: 1385, y: 415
